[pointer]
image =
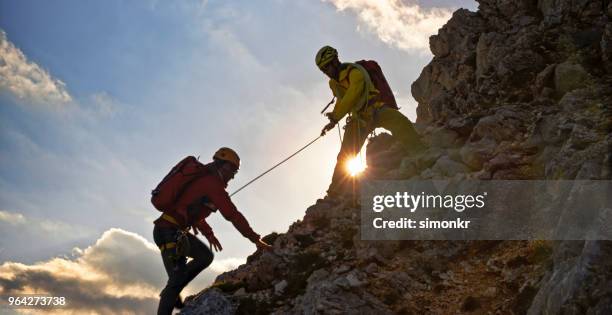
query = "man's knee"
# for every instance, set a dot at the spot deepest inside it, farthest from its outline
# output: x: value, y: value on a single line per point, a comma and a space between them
x: 202, y: 254
x: 206, y: 259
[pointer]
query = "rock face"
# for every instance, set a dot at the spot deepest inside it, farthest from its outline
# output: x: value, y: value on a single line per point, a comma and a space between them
x: 518, y: 90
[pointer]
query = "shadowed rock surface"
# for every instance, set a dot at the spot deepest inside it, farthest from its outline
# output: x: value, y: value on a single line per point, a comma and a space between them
x: 518, y: 90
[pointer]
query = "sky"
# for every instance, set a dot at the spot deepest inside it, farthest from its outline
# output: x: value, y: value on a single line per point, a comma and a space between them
x: 98, y: 100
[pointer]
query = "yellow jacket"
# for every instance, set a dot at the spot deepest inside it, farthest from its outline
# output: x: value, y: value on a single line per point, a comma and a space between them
x: 353, y: 90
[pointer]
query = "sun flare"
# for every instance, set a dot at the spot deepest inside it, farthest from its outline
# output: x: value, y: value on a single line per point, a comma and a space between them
x: 356, y: 165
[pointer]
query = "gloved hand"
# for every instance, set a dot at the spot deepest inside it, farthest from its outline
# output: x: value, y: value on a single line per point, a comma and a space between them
x: 328, y: 127
x: 214, y: 242
x: 262, y: 245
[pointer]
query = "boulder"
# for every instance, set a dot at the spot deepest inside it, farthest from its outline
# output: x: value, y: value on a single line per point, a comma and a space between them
x: 446, y: 167
x: 475, y: 154
x: 578, y: 283
x: 568, y: 77
x: 496, y: 127
x: 544, y: 79
x: 443, y: 138
x: 213, y: 301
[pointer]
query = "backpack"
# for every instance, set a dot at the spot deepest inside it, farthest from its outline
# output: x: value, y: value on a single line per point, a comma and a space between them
x: 380, y: 83
x: 169, y: 190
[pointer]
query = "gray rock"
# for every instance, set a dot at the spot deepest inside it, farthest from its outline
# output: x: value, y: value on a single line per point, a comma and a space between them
x: 353, y: 280
x: 606, y: 44
x: 475, y: 154
x: 544, y: 79
x: 569, y: 76
x: 552, y: 10
x: 428, y: 158
x: 421, y: 88
x: 372, y: 268
x: 342, y: 269
x: 280, y: 287
x: 408, y: 168
x: 490, y: 292
x: 427, y: 174
x: 497, y: 127
x: 447, y: 167
x: 485, y: 44
x: 443, y: 138
x: 329, y: 298
x: 317, y: 275
x: 578, y: 285
x: 575, y: 100
x: 581, y: 137
x: 212, y: 301
x: 591, y: 170
x: 439, y: 45
x: 462, y: 125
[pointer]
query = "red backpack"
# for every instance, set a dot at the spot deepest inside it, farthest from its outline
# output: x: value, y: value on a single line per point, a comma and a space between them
x: 379, y: 81
x: 174, y: 184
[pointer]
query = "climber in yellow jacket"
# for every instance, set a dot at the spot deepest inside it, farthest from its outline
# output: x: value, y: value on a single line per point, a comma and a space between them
x: 358, y: 97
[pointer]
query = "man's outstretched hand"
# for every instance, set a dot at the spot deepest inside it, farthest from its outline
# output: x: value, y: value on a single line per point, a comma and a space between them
x: 214, y: 242
x: 328, y: 127
x: 263, y: 245
x: 332, y: 123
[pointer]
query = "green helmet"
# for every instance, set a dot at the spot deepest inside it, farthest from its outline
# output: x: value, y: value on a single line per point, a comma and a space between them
x: 325, y: 55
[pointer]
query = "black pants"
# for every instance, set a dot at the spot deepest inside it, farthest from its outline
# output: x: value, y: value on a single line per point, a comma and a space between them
x: 356, y: 132
x: 180, y: 273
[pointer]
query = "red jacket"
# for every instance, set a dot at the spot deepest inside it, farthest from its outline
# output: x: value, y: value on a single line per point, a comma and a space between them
x: 190, y: 209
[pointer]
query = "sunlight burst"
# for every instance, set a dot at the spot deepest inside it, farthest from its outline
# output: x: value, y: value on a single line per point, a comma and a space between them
x: 356, y: 165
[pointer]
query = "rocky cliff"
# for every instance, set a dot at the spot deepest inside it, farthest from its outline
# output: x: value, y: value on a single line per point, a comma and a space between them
x: 517, y: 90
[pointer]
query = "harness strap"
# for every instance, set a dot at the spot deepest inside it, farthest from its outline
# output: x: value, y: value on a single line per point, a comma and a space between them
x: 167, y: 246
x: 169, y: 218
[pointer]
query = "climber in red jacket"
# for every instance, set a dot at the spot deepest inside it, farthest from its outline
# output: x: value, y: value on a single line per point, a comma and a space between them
x: 200, y: 198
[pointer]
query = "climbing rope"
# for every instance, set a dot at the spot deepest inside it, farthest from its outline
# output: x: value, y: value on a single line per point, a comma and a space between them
x: 275, y: 166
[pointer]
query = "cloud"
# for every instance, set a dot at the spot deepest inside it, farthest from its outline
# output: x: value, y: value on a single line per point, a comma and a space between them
x: 406, y: 26
x: 45, y: 237
x: 12, y: 218
x: 104, y: 104
x: 121, y: 273
x: 235, y: 50
x: 27, y: 80
x: 48, y: 226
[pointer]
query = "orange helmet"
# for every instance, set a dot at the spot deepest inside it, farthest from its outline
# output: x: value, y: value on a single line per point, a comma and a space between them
x: 229, y: 155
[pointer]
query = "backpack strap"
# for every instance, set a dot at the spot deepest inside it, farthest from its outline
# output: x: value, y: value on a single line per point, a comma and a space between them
x: 369, y: 86
x: 170, y: 219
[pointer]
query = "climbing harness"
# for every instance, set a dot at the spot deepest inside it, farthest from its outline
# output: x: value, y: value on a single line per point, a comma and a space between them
x: 182, y: 243
x: 177, y: 249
